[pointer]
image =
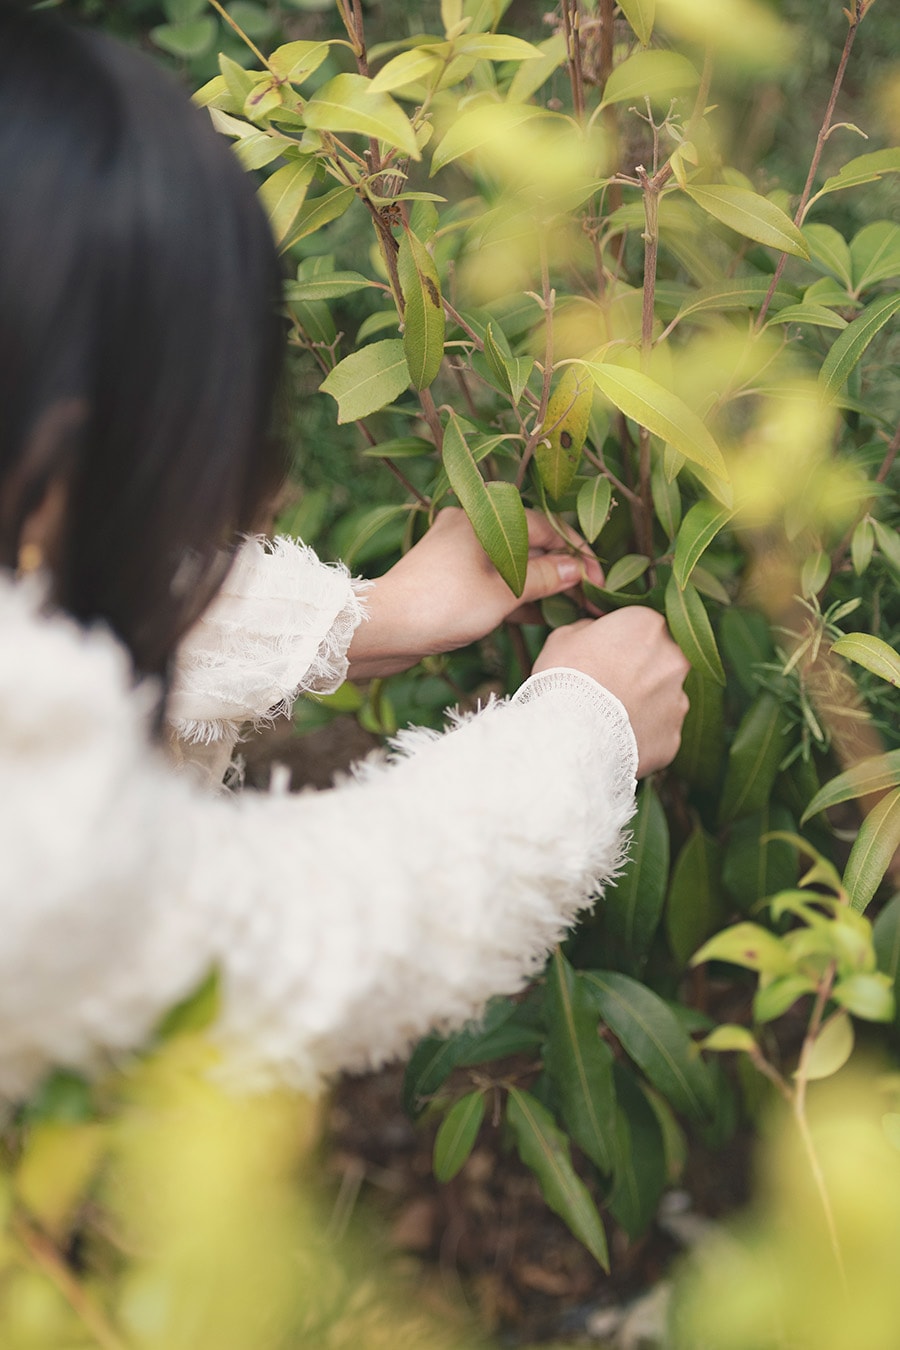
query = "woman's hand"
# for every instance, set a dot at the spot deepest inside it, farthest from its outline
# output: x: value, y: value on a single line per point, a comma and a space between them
x: 631, y: 654
x: 445, y: 592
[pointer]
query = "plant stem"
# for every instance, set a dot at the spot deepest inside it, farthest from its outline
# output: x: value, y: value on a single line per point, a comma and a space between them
x: 652, y: 187
x: 223, y: 14
x: 548, y: 297
x: 573, y: 55
x: 49, y: 1261
x: 855, y: 20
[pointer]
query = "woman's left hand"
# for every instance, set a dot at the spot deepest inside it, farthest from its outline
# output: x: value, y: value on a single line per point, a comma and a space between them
x: 445, y: 592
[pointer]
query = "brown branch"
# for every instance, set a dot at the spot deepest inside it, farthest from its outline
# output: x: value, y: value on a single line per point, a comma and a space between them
x: 49, y: 1261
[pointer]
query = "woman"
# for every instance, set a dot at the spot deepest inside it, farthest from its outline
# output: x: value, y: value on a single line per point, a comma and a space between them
x: 138, y: 359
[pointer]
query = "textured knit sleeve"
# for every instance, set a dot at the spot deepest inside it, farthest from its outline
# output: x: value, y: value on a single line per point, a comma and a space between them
x: 281, y: 624
x: 344, y: 924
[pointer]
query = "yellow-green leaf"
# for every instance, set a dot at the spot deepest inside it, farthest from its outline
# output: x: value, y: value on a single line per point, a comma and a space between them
x: 661, y: 412
x: 346, y: 103
x: 750, y: 215
x: 871, y: 653
x: 284, y: 194
x: 423, y: 319
x: 640, y: 14
x: 873, y: 850
x: 407, y: 68
x: 699, y: 528
x: 593, y: 505
x: 832, y: 1048
x: 318, y: 211
x: 656, y: 75
x: 368, y: 379
x: 692, y: 630
x: 495, y: 47
x: 474, y: 127
x: 747, y: 945
x: 293, y: 61
x: 863, y: 169
x: 869, y: 775
x: 558, y: 452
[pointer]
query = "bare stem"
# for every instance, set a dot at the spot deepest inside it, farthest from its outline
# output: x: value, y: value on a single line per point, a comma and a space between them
x: 652, y: 187
x: 223, y: 13
x: 824, y: 129
x: 548, y: 298
x: 573, y: 55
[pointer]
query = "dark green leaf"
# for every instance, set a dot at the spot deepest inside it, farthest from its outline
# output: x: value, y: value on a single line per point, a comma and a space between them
x: 494, y: 509
x: 886, y: 939
x: 186, y: 40
x: 847, y: 349
x: 435, y: 1057
x: 701, y: 752
x: 625, y: 570
x: 692, y: 630
x: 423, y: 319
x: 653, y: 1037
x: 640, y: 1176
x: 457, y: 1134
x: 511, y: 372
x: 633, y: 904
x: 545, y: 1150
x: 694, y: 906
x: 747, y: 644
x: 753, y: 760
x: 580, y: 1064
x: 593, y: 505
x: 755, y: 866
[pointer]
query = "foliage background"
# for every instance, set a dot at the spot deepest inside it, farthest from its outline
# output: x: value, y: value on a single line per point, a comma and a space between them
x: 589, y: 380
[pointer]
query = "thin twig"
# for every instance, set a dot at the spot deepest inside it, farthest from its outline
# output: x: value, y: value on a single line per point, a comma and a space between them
x: 223, y: 13
x: 48, y: 1260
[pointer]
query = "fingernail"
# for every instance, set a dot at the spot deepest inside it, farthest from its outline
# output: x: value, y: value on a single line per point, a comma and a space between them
x: 569, y: 571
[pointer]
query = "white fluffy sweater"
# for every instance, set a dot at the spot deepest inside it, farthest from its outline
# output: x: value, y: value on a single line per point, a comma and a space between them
x: 344, y: 924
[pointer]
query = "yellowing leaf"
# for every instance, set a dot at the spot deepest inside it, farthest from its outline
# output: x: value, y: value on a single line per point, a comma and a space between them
x: 407, y: 68
x: 368, y: 379
x: 476, y: 126
x: 833, y: 1047
x: 871, y: 653
x: 558, y: 452
x: 284, y: 193
x: 295, y: 60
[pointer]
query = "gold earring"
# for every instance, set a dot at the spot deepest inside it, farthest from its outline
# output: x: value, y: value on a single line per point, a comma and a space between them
x: 31, y: 559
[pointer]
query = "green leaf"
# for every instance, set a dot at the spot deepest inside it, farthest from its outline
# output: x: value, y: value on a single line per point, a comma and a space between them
x: 748, y: 945
x: 318, y: 211
x: 423, y: 320
x: 255, y: 20
x: 861, y: 546
x: 750, y: 215
x: 457, y: 1134
x: 593, y: 506
x: 532, y: 74
x: 886, y: 939
x: 186, y: 40
x: 699, y: 528
x: 326, y: 286
x: 494, y: 509
x: 368, y: 379
x: 653, y: 1037
x: 693, y: 907
x: 346, y: 103
x: 495, y: 47
x: 874, y: 774
x: 868, y: 996
x: 293, y: 61
x: 833, y: 1047
x: 875, y: 846
x: 400, y: 447
x: 774, y: 999
x: 640, y: 14
x: 816, y: 315
x: 656, y: 75
x: 661, y: 412
x: 871, y: 653
x: 666, y: 497
x: 285, y: 192
x: 828, y: 247
x: 729, y: 1037
x: 633, y: 904
x: 640, y: 1175
x: 746, y: 642
x: 814, y: 573
x: 511, y: 372
x: 862, y: 169
x: 754, y: 758
x: 257, y: 149
x: 625, y: 570
x: 888, y: 543
x: 875, y: 254
x: 476, y: 126
x: 702, y: 746
x: 692, y: 630
x: 435, y: 1057
x: 847, y: 349
x: 544, y: 1149
x: 580, y: 1064
x: 365, y: 527
x: 407, y: 68
x: 737, y: 293
x: 756, y: 865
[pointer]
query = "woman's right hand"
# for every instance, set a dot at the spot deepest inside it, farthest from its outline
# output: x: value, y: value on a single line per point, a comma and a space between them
x: 631, y: 654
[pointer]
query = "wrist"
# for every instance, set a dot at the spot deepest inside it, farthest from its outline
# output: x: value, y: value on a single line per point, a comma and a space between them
x: 387, y: 641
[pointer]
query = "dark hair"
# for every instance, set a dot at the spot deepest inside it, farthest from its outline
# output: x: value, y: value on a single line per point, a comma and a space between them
x: 139, y: 340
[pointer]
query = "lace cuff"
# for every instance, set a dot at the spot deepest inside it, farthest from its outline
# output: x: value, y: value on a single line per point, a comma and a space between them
x: 281, y: 625
x: 600, y: 704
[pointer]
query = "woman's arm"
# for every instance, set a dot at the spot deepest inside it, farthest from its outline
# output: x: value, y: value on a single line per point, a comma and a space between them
x: 343, y: 924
